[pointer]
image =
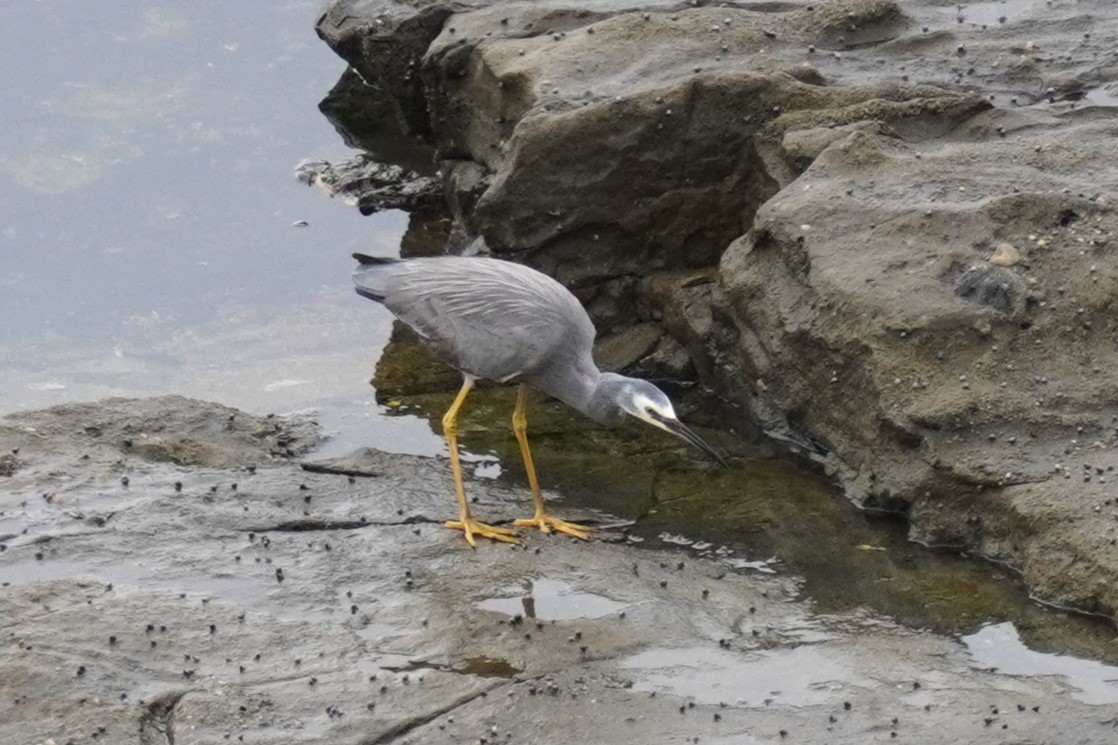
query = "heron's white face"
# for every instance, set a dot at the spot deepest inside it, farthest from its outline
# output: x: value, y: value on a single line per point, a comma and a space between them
x: 644, y: 401
x: 649, y: 404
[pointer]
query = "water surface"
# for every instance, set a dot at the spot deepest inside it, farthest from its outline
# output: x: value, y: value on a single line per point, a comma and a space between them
x: 148, y: 215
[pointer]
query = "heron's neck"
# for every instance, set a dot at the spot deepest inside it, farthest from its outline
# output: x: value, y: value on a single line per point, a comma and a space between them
x: 602, y: 405
x: 582, y: 387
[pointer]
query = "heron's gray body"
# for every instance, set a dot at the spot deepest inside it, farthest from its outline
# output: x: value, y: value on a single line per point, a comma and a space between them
x: 497, y: 320
x: 504, y: 321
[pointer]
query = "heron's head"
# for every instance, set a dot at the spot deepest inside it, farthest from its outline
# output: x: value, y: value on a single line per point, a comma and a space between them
x: 641, y: 399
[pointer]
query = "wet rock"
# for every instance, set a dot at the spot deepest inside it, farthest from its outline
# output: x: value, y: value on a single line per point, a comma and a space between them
x: 466, y: 181
x: 1005, y: 255
x: 625, y: 349
x: 881, y: 330
x: 157, y: 722
x: 642, y: 163
x: 370, y: 185
x: 446, y: 643
x: 365, y: 118
x: 669, y: 360
x: 166, y: 429
x: 384, y: 42
x: 993, y: 287
x: 8, y: 464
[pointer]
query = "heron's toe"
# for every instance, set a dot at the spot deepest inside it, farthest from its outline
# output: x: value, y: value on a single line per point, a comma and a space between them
x: 547, y: 524
x: 470, y: 528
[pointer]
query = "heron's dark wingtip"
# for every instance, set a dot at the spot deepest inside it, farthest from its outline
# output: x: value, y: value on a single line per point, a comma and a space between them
x: 364, y: 259
x: 369, y: 294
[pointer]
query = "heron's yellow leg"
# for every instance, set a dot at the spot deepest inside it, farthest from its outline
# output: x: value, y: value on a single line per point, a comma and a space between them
x: 465, y: 523
x: 541, y: 519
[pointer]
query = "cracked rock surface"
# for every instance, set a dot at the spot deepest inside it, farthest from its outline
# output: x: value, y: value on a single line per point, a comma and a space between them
x: 267, y: 603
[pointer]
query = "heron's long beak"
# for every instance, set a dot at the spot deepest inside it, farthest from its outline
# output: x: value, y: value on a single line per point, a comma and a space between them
x: 684, y: 432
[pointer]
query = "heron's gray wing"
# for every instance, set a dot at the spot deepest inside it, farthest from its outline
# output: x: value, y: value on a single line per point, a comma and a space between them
x: 490, y: 318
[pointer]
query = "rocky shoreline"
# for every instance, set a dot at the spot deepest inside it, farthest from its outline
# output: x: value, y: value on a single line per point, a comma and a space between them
x: 883, y: 230
x: 172, y: 572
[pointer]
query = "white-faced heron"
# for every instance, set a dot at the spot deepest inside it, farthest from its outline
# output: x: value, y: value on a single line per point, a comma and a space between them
x: 503, y: 321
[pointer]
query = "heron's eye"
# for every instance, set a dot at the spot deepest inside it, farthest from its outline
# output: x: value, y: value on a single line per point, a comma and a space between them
x: 649, y: 410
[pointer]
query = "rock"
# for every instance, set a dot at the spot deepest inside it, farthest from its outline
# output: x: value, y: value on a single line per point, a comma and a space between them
x: 466, y: 181
x: 623, y: 350
x: 388, y: 628
x: 842, y: 216
x: 366, y: 118
x: 372, y: 186
x: 640, y: 162
x: 167, y: 429
x: 996, y: 288
x: 384, y: 40
x: 668, y: 361
x: 864, y: 330
x: 800, y: 147
x: 1005, y: 255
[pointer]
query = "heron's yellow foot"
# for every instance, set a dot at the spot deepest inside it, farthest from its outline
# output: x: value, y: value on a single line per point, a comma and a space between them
x: 471, y: 527
x: 546, y: 523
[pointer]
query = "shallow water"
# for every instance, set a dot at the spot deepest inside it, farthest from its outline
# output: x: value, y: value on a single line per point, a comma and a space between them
x: 551, y: 600
x: 991, y: 13
x: 763, y: 514
x: 148, y: 226
x: 1103, y: 95
x: 799, y: 676
x: 999, y: 646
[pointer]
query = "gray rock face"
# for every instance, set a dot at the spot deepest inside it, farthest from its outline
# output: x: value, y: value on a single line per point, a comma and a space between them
x: 862, y: 160
x: 972, y: 395
x: 384, y: 40
x: 605, y: 166
x: 328, y: 605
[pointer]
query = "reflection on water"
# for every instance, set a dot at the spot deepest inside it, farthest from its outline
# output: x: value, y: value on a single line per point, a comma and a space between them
x: 1000, y: 646
x: 991, y: 12
x: 1103, y: 95
x: 149, y: 218
x: 551, y: 600
x: 808, y: 675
